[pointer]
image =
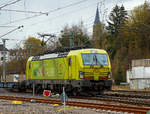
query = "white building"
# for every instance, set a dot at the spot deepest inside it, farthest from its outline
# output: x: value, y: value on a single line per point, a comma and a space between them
x: 139, y: 75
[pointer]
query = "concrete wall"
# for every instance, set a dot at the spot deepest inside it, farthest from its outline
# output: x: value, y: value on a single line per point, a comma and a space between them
x: 139, y: 83
x: 139, y: 75
x: 141, y: 62
x: 140, y: 72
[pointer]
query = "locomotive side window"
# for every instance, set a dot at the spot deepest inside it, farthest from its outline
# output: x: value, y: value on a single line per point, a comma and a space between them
x: 69, y: 62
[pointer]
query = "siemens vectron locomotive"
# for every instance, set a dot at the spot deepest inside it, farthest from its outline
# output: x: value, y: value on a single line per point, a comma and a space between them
x: 82, y: 71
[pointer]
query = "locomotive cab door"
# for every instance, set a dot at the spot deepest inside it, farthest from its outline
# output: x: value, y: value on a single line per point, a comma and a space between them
x: 71, y: 67
x: 28, y: 75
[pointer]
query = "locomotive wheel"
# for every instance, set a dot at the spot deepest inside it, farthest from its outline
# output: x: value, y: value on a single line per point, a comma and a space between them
x: 101, y: 92
x: 109, y: 88
x: 22, y: 89
x: 76, y: 91
x: 38, y: 90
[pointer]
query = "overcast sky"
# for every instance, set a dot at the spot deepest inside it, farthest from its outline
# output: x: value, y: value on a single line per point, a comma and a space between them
x: 60, y: 13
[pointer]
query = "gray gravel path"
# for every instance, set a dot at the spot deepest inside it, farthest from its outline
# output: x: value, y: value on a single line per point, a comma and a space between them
x: 38, y: 108
x: 2, y: 90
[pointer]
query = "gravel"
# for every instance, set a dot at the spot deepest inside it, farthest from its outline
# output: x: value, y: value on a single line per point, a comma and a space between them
x: 39, y: 108
x: 6, y: 107
x: 2, y: 90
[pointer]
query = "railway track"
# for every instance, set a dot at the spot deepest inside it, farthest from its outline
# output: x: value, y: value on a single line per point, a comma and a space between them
x: 124, y: 100
x: 137, y: 94
x: 125, y: 97
x: 131, y: 91
x: 140, y: 96
x: 119, y: 97
x: 120, y: 108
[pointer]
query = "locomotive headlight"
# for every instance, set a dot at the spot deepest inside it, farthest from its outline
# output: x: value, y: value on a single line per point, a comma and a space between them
x: 109, y: 75
x: 81, y: 75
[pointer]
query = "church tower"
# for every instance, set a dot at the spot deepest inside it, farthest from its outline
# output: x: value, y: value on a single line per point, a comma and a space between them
x: 96, y: 29
x: 97, y: 20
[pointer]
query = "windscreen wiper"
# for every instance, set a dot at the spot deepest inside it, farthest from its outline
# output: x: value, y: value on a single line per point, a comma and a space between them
x: 94, y: 59
x: 98, y: 62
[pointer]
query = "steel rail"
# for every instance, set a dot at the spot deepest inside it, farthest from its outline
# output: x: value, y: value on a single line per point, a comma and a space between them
x: 124, y: 100
x: 120, y: 108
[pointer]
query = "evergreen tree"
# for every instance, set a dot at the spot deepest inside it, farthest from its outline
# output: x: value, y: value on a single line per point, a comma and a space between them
x: 116, y: 19
x: 118, y: 75
x: 115, y: 24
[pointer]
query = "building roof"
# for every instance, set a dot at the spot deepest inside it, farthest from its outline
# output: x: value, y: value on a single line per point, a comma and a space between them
x: 97, y: 20
x: 2, y: 48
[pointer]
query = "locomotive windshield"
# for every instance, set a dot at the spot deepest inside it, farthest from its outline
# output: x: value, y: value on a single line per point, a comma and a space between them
x: 94, y: 59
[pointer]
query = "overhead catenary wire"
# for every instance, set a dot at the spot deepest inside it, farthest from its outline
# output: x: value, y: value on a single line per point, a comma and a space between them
x: 9, y: 4
x: 8, y: 26
x: 57, y: 32
x: 6, y: 3
x: 56, y: 17
x: 21, y: 11
x: 88, y: 25
x: 20, y: 40
x: 69, y: 5
x: 70, y: 12
x: 22, y: 19
x: 58, y: 9
x: 54, y: 10
x: 104, y: 15
x: 11, y: 31
x: 41, y: 12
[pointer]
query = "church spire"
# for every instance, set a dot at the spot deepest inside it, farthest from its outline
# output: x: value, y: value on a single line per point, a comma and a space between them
x: 97, y: 20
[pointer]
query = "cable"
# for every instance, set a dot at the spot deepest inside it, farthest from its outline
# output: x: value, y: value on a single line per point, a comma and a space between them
x: 6, y: 3
x: 69, y: 5
x: 59, y: 16
x: 8, y: 26
x: 21, y: 11
x: 9, y: 4
x: 11, y: 31
x: 22, y: 19
x: 57, y: 10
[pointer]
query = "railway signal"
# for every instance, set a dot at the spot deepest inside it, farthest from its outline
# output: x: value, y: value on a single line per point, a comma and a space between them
x: 47, y: 93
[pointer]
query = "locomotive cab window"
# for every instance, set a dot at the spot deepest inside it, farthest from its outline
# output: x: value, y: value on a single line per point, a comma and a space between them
x: 94, y: 59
